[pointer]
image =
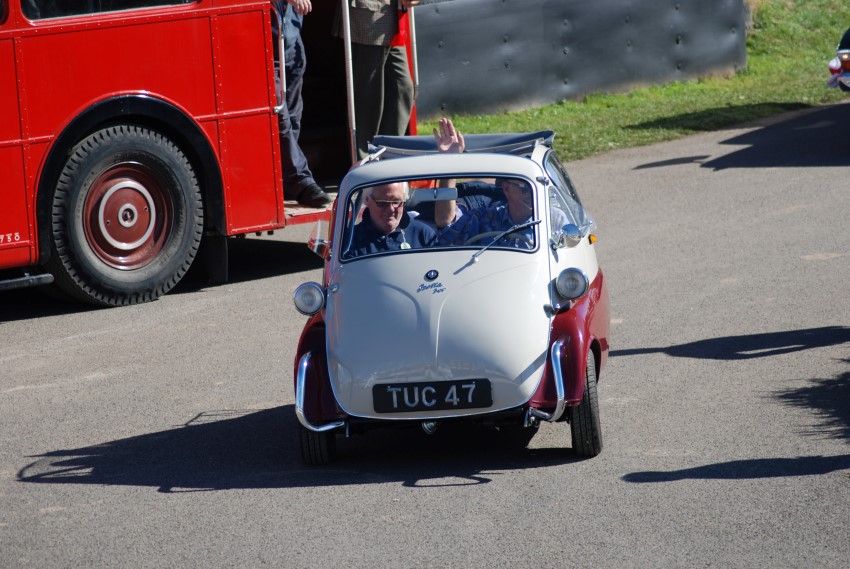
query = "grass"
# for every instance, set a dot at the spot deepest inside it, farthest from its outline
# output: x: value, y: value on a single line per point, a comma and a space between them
x: 787, y: 54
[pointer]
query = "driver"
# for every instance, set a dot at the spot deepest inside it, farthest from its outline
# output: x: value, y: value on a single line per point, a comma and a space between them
x: 385, y: 225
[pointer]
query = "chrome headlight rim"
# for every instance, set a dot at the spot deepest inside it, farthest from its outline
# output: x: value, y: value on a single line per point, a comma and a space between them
x: 309, y: 298
x: 572, y: 284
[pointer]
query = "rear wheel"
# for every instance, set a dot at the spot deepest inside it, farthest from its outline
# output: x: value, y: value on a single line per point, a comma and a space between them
x: 584, y: 419
x: 127, y: 217
x: 317, y: 448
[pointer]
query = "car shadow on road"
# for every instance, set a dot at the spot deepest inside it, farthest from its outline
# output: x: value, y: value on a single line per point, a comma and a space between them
x: 259, y: 449
x: 818, y: 137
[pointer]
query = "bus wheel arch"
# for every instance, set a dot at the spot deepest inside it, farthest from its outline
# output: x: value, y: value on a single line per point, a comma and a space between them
x: 145, y: 111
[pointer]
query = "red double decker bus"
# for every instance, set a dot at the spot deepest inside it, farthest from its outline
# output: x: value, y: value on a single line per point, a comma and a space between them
x: 133, y: 130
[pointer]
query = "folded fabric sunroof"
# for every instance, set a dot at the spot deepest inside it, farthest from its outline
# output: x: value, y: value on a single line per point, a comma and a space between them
x: 521, y: 143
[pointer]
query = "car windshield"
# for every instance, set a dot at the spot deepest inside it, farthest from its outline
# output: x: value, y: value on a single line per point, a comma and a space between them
x: 439, y: 214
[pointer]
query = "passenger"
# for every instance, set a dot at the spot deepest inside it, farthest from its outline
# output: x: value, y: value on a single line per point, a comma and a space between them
x: 458, y: 224
x: 385, y: 225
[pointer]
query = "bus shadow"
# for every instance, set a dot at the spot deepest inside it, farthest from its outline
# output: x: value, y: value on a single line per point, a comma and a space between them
x: 253, y: 259
x: 249, y: 259
x: 222, y: 450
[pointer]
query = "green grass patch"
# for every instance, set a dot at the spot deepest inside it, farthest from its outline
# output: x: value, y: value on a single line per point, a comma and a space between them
x: 787, y: 54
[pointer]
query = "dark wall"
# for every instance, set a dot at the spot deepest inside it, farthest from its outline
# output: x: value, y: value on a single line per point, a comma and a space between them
x: 490, y: 55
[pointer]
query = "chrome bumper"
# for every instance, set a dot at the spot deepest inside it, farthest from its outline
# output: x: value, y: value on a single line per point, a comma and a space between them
x: 300, y: 383
x: 558, y: 377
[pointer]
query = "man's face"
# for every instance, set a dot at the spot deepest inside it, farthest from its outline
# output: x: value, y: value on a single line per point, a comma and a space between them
x: 386, y: 206
x: 518, y: 195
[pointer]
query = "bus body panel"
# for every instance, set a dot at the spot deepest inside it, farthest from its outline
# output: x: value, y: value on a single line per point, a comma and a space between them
x: 210, y: 62
x: 15, y: 236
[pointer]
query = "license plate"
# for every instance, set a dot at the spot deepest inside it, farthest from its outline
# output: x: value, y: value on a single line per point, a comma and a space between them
x: 845, y: 80
x: 432, y: 396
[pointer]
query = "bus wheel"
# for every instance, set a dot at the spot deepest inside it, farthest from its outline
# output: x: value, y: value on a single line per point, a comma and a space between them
x: 127, y: 217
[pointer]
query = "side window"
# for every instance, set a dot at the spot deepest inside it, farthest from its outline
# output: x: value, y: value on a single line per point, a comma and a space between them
x: 564, y: 202
x: 41, y: 9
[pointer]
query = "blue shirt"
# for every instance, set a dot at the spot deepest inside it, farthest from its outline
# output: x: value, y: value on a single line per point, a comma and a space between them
x: 410, y: 234
x: 485, y: 220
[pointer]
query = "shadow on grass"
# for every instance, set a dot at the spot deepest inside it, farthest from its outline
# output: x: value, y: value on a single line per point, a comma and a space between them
x: 221, y: 450
x: 720, y: 118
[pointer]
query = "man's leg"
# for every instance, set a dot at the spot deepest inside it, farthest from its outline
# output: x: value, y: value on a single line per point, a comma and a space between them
x: 298, y: 181
x: 398, y: 93
x: 368, y: 63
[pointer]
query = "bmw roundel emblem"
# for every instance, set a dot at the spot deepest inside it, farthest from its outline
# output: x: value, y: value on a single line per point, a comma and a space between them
x: 431, y: 275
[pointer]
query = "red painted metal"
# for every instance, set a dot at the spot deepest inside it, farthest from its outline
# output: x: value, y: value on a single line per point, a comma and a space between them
x: 320, y: 405
x: 587, y: 326
x: 211, y: 60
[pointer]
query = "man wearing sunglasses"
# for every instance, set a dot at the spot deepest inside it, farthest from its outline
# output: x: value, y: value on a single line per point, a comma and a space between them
x: 385, y: 225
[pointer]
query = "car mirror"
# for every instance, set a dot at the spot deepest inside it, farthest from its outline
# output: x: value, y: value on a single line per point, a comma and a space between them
x: 569, y: 236
x: 319, y: 242
x: 432, y: 195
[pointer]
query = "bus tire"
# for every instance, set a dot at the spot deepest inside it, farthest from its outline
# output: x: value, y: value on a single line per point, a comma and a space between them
x: 126, y: 217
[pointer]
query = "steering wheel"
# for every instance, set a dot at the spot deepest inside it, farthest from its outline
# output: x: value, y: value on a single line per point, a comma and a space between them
x: 486, y: 234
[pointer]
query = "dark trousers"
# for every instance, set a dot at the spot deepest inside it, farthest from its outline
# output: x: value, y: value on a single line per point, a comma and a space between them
x: 296, y: 172
x: 383, y: 92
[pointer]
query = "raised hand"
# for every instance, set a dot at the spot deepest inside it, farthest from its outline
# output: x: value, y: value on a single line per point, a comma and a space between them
x: 448, y: 138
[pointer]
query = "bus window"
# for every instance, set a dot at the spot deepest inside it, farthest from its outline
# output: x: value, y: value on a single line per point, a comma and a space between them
x: 40, y: 9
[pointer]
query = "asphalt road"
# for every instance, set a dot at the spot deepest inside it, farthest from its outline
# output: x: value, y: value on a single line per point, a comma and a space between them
x: 163, y: 435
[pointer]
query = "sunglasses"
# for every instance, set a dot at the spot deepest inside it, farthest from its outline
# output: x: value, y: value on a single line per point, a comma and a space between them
x: 388, y: 203
x: 522, y: 187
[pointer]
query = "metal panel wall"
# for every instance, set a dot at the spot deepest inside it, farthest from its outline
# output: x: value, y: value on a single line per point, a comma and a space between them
x: 491, y: 55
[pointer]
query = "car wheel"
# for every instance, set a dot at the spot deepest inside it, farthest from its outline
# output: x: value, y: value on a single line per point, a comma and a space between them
x: 127, y: 217
x: 584, y: 419
x: 317, y: 448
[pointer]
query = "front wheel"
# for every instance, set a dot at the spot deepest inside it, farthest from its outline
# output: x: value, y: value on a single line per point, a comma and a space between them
x: 127, y: 217
x: 317, y: 449
x: 584, y: 420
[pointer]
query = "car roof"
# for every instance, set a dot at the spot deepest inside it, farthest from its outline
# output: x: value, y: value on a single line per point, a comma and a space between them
x: 438, y: 165
x: 522, y: 144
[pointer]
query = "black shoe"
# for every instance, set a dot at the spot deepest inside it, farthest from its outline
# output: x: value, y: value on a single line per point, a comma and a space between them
x: 314, y: 196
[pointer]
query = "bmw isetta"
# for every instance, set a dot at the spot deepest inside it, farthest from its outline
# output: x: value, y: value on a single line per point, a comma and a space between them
x: 498, y: 314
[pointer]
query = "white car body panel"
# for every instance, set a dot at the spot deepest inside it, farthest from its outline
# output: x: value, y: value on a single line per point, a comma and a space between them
x: 388, y: 324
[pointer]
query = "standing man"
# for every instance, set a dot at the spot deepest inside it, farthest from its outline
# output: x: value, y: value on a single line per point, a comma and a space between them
x: 383, y: 90
x: 298, y: 181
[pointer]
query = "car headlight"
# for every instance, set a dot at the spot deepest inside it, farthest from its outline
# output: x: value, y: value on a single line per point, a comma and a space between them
x: 572, y: 284
x: 309, y: 298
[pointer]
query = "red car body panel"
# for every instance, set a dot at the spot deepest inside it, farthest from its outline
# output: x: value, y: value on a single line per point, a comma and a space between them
x: 587, y: 326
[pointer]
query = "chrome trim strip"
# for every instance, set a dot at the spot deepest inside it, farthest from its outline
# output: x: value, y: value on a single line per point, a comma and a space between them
x: 558, y: 377
x: 300, y: 384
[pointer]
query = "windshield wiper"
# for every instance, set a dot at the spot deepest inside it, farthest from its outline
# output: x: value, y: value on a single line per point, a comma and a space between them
x: 513, y: 229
